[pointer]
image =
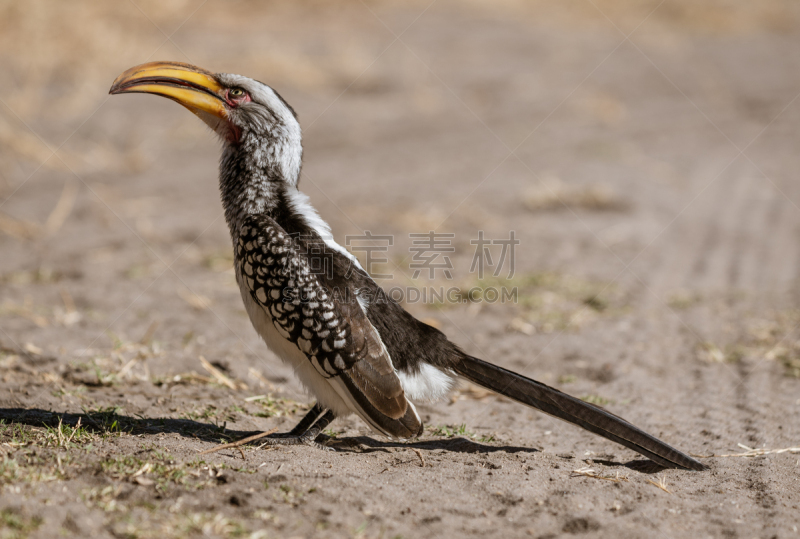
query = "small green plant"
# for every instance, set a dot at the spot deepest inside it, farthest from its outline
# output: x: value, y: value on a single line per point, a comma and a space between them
x: 103, y: 498
x: 108, y: 420
x: 27, y: 467
x: 275, y: 407
x: 289, y: 495
x: 16, y: 526
x: 16, y: 435
x: 216, y: 415
x: 161, y: 470
x: 596, y: 302
x: 596, y: 399
x: 449, y: 431
x: 66, y: 436
x: 792, y: 366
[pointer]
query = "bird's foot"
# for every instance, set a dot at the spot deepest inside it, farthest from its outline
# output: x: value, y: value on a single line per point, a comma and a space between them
x: 308, y: 438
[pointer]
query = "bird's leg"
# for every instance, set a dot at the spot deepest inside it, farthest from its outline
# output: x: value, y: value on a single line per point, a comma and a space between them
x: 307, y: 430
x: 308, y: 420
x: 315, y: 430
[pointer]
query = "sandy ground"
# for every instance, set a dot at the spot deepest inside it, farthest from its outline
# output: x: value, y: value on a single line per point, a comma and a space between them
x: 651, y: 182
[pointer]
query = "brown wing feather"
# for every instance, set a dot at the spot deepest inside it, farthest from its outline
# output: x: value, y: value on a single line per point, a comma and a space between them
x: 373, y: 374
x: 330, y: 329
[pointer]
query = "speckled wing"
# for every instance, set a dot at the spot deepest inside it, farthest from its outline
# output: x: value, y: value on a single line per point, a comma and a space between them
x: 330, y: 328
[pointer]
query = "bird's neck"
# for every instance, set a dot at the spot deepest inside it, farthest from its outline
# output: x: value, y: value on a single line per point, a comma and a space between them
x: 263, y: 181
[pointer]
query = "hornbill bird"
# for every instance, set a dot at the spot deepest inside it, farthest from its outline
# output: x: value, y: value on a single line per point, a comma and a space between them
x: 355, y: 349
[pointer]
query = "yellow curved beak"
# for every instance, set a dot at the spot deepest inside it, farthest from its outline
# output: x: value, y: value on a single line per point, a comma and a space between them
x: 193, y: 87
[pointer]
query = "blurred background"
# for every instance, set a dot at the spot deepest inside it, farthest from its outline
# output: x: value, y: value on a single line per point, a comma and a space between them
x: 644, y: 153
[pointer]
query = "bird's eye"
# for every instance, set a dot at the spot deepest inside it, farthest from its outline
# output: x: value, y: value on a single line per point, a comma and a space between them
x: 237, y: 92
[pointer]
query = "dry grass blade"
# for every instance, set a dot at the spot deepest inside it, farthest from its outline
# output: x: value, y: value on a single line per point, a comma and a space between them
x: 421, y: 458
x: 661, y: 483
x: 123, y: 372
x: 143, y: 470
x: 28, y: 230
x: 750, y: 452
x: 240, y: 442
x: 60, y: 434
x: 218, y: 375
x: 471, y: 391
x: 69, y: 303
x: 74, y: 430
x: 553, y: 194
x: 520, y: 325
x: 189, y: 377
x: 148, y: 335
x: 197, y: 301
x: 62, y: 208
x: 260, y: 377
x: 590, y: 472
x: 18, y: 228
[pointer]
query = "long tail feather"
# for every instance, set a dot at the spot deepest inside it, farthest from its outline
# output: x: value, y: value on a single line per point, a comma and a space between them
x: 563, y: 406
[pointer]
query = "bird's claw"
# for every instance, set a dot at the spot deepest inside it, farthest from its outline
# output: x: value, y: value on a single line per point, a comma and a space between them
x: 308, y: 438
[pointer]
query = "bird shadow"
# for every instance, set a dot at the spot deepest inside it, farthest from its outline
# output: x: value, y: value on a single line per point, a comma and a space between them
x: 456, y: 444
x: 109, y: 422
x: 642, y: 466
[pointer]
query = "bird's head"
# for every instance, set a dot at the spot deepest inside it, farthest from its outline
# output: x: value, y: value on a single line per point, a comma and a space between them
x: 244, y: 112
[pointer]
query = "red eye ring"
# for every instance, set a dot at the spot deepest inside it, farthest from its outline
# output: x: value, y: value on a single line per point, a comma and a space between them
x: 236, y: 96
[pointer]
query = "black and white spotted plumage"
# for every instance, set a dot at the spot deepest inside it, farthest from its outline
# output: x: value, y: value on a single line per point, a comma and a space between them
x: 293, y: 280
x: 280, y: 279
x: 354, y: 349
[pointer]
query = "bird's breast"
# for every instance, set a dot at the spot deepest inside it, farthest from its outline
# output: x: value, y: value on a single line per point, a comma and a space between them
x: 282, y: 294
